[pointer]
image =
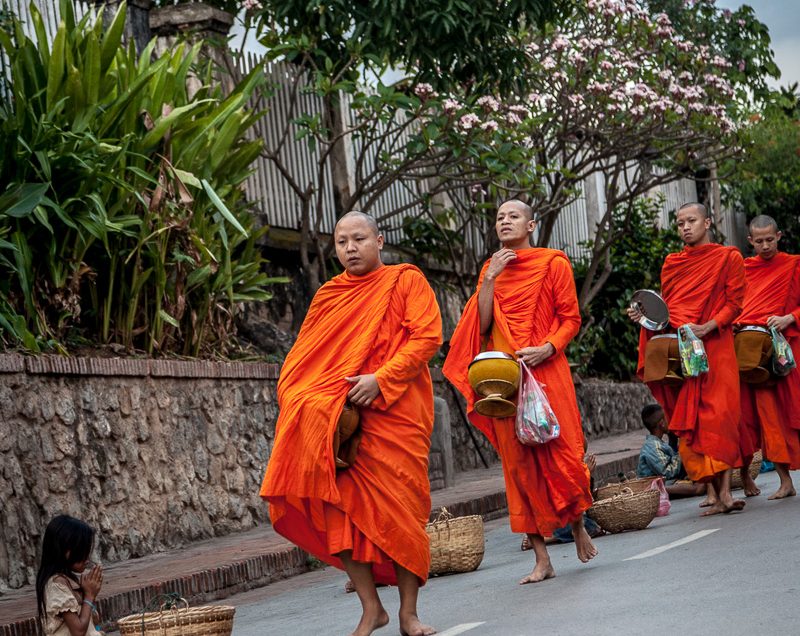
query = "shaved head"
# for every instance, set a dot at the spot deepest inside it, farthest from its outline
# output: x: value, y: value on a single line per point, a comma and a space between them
x: 363, y: 216
x: 763, y: 222
x: 519, y: 205
x: 698, y: 207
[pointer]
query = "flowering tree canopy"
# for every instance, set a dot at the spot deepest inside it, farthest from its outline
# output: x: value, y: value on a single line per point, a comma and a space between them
x: 614, y: 90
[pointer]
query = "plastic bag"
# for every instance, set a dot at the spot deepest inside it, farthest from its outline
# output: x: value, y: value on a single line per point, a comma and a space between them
x: 664, y: 504
x: 782, y: 357
x: 694, y: 360
x: 536, y: 423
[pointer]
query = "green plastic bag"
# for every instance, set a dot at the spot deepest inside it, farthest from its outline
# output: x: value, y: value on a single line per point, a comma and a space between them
x: 694, y: 360
x: 782, y: 357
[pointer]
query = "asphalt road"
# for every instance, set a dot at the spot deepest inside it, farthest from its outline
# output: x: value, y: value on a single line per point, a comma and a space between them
x: 728, y: 574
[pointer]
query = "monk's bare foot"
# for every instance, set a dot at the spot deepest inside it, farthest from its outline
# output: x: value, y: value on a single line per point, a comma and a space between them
x: 749, y: 486
x: 709, y: 502
x: 349, y: 588
x: 783, y: 492
x: 543, y: 571
x: 714, y: 509
x: 410, y: 625
x: 728, y: 505
x: 370, y: 621
x: 526, y: 544
x: 735, y: 505
x: 583, y: 544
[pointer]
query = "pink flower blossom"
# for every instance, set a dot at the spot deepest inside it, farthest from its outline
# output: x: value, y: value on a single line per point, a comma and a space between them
x: 249, y: 5
x: 741, y: 66
x: 548, y: 63
x: 424, y: 91
x: 488, y: 103
x: 663, y: 19
x: 450, y: 106
x: 490, y: 126
x: 560, y: 43
x: 468, y: 121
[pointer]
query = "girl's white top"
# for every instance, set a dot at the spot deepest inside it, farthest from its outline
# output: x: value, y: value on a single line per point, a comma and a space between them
x: 61, y: 597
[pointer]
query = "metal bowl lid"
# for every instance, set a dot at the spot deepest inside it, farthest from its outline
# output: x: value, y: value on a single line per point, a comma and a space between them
x: 655, y: 313
x: 492, y: 355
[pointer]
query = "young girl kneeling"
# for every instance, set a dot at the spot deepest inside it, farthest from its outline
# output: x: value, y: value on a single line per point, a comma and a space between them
x: 65, y: 600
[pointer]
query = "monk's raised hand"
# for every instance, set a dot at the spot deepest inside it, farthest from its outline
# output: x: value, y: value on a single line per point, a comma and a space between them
x: 536, y: 355
x: 780, y: 322
x: 500, y: 259
x: 365, y: 389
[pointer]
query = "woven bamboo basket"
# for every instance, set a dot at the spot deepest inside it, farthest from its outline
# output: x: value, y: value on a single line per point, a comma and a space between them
x: 457, y: 543
x: 205, y: 620
x: 754, y: 470
x: 626, y: 511
x: 635, y: 485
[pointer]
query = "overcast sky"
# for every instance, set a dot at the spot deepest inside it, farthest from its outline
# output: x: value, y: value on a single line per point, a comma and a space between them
x: 783, y: 19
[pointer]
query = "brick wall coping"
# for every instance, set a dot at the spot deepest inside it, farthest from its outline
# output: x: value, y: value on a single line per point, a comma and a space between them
x: 136, y: 367
x: 140, y: 367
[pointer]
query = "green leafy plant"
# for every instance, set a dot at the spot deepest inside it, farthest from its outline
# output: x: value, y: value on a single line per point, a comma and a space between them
x: 122, y: 214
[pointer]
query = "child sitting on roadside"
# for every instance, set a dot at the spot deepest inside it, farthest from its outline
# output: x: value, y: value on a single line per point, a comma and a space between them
x: 658, y: 459
x: 66, y: 587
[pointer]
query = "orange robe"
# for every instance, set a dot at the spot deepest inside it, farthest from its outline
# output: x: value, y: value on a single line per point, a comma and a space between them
x: 699, y: 284
x: 771, y: 414
x: 547, y: 486
x: 386, y: 322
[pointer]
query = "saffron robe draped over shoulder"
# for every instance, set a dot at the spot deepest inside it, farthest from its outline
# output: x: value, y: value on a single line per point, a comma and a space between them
x: 700, y: 284
x: 771, y: 414
x: 534, y: 303
x: 386, y: 322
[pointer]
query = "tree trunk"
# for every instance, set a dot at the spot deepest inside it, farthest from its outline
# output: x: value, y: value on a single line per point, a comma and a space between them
x: 339, y: 161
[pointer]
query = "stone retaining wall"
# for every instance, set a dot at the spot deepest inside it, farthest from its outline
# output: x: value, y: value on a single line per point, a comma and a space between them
x: 156, y: 454
x: 151, y: 453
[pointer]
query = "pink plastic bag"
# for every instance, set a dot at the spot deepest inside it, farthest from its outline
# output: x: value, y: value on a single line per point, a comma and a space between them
x: 663, y: 501
x: 536, y: 423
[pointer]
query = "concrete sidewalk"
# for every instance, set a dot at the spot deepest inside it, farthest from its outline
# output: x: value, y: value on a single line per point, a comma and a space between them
x: 217, y: 568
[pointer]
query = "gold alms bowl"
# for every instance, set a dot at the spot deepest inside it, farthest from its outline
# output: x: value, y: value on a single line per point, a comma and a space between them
x: 495, y: 376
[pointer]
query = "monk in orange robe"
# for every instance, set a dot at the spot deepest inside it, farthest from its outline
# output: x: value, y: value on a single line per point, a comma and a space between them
x: 771, y: 414
x: 367, y: 339
x: 526, y: 306
x: 703, y: 286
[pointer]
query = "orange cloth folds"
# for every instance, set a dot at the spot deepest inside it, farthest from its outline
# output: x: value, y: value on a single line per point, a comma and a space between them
x: 698, y: 284
x: 771, y: 414
x: 387, y: 323
x: 535, y: 302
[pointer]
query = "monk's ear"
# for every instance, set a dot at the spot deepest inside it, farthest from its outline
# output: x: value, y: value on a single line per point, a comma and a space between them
x: 750, y: 240
x: 531, y: 226
x: 778, y: 236
x: 380, y: 241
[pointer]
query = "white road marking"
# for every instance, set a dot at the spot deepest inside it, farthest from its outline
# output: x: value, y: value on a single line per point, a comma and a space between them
x: 460, y: 629
x: 674, y: 544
